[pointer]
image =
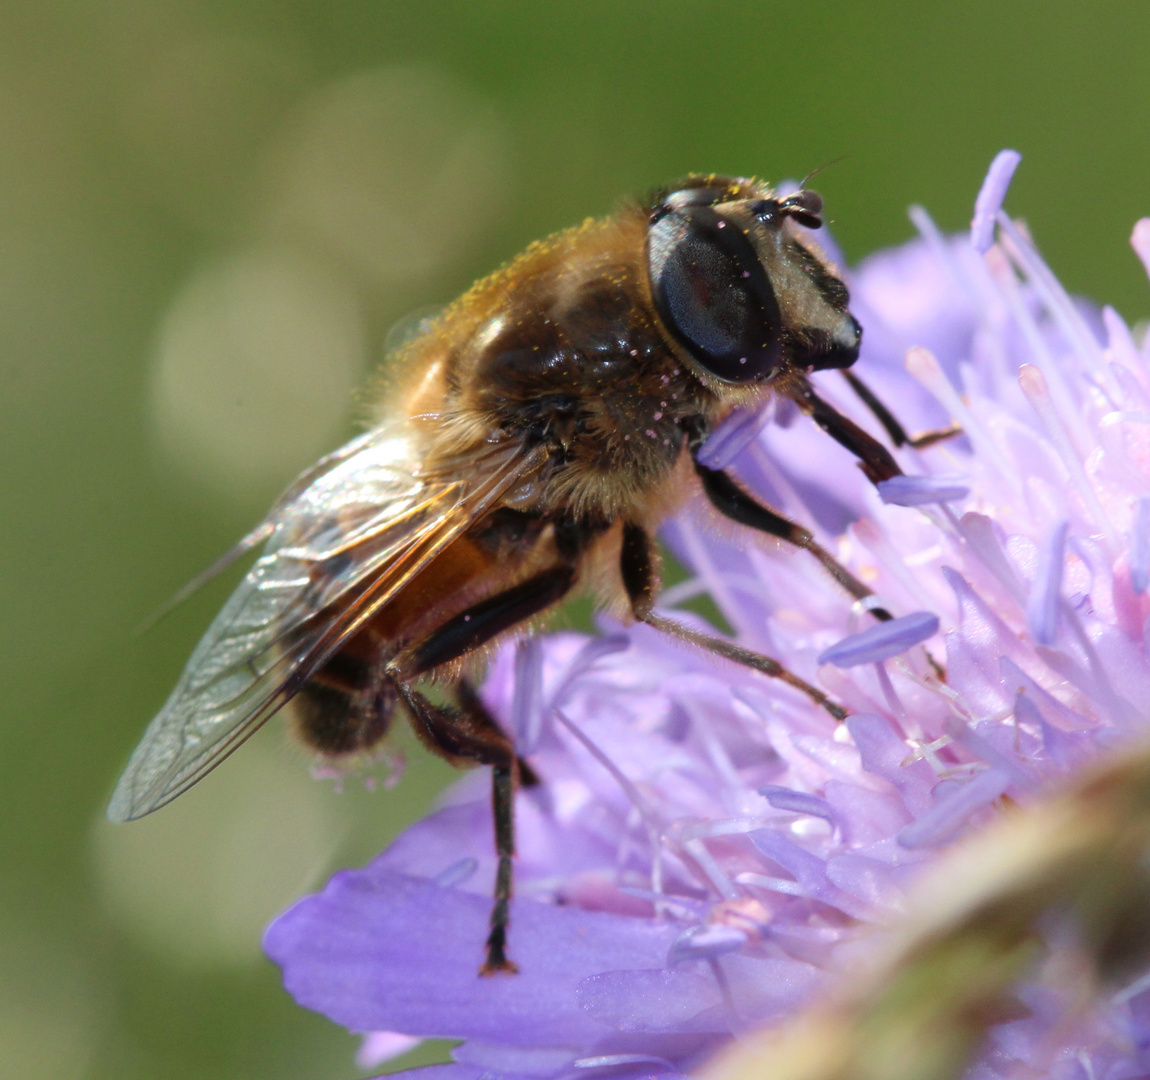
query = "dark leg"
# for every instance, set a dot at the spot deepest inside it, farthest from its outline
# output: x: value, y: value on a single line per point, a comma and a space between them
x: 488, y: 619
x: 874, y: 458
x: 730, y: 500
x: 469, y: 700
x: 895, y: 431
x: 470, y: 735
x: 638, y: 579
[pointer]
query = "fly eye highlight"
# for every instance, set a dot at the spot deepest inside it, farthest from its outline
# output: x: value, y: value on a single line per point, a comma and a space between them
x: 684, y: 198
x: 713, y: 294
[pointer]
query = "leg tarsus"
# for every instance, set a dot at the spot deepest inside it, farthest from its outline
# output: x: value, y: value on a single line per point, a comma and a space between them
x: 733, y: 502
x: 756, y: 661
x: 874, y: 458
x: 470, y: 734
x: 895, y: 431
x: 502, y: 801
x: 929, y: 438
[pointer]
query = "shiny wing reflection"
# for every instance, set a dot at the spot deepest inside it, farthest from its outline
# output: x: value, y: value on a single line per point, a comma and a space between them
x: 339, y: 545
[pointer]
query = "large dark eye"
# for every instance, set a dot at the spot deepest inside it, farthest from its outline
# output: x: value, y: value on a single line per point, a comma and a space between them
x: 712, y: 293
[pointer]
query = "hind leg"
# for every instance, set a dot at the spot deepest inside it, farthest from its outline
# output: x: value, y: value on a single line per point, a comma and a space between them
x: 466, y: 735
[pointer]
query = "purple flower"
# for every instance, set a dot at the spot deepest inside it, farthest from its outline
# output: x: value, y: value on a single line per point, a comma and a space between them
x: 709, y: 850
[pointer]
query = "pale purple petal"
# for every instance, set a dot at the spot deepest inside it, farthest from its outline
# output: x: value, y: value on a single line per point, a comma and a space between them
x: 527, y: 701
x: 990, y: 198
x: 606, y: 1061
x: 1046, y: 591
x: 921, y: 490
x: 380, y: 1046
x: 884, y: 753
x: 456, y: 874
x: 799, y: 802
x: 454, y: 1071
x: 765, y: 988
x: 866, y: 879
x: 591, y: 653
x: 661, y: 999
x: 732, y: 436
x: 1140, y: 546
x: 1140, y: 242
x: 881, y: 642
x: 807, y: 868
x: 955, y: 806
x: 522, y: 1060
x: 381, y: 951
x: 705, y: 942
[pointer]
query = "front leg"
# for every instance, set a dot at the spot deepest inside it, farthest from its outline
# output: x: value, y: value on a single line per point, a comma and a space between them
x: 874, y: 458
x: 733, y: 502
x: 895, y: 431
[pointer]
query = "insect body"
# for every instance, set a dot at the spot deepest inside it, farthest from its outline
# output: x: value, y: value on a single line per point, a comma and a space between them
x: 539, y: 432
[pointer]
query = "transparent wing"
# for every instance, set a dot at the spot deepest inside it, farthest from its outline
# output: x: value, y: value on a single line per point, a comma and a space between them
x: 357, y: 533
x: 261, y: 532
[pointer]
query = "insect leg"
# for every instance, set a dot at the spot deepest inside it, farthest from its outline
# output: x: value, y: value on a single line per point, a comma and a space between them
x: 895, y: 431
x: 874, y: 458
x: 733, y: 502
x: 487, y: 619
x: 470, y: 734
x: 468, y: 698
x: 639, y: 580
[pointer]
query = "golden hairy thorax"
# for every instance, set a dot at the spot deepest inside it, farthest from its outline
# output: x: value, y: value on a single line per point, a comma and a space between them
x: 561, y: 346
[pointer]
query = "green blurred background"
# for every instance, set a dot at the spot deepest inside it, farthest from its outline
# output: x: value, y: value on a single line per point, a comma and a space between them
x: 210, y: 215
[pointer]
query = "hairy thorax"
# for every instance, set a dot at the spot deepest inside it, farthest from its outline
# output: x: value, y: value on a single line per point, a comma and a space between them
x: 561, y: 351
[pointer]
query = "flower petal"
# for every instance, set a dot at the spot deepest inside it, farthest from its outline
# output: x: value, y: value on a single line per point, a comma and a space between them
x: 881, y: 642
x: 1046, y: 593
x: 921, y: 490
x: 662, y: 999
x: 990, y: 197
x: 732, y: 436
x: 378, y: 950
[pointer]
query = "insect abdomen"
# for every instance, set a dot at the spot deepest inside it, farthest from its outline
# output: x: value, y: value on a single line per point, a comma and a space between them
x: 346, y: 707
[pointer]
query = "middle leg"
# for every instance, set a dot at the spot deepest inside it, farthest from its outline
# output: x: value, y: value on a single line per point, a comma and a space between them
x: 638, y: 575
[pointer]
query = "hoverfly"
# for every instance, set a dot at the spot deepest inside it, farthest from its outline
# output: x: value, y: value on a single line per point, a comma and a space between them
x: 537, y: 433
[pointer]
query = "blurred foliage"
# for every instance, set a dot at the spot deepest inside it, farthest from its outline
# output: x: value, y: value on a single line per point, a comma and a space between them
x: 210, y: 215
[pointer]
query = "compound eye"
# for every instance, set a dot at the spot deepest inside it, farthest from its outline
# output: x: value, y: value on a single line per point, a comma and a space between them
x: 713, y: 295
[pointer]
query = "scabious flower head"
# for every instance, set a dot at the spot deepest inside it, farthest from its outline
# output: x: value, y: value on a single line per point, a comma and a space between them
x: 710, y: 852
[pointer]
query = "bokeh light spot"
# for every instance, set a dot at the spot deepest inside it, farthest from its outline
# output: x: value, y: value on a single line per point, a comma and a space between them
x: 257, y: 359
x: 196, y: 881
